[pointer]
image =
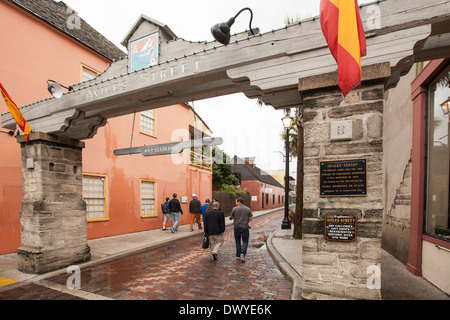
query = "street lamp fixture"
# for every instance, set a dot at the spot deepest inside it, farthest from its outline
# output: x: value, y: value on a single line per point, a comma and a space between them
x: 55, y: 88
x: 221, y: 31
x: 10, y: 132
x: 446, y: 106
x: 287, y: 123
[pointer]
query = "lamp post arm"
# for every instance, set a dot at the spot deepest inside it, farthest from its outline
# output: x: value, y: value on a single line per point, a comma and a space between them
x: 251, y: 18
x: 70, y: 88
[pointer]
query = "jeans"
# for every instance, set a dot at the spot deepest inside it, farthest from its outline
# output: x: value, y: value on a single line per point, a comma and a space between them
x: 176, y: 219
x: 241, y: 233
x: 167, y: 217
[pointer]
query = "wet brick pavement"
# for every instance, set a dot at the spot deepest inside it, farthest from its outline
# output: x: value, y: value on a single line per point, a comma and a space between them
x: 182, y: 271
x: 35, y: 292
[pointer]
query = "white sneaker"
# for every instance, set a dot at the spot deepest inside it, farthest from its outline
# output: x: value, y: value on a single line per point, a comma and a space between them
x: 242, y: 257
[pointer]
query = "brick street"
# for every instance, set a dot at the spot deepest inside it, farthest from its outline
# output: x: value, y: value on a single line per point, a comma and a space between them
x: 182, y: 271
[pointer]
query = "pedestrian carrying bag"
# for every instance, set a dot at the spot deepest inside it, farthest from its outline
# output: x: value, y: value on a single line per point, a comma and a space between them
x: 205, y: 244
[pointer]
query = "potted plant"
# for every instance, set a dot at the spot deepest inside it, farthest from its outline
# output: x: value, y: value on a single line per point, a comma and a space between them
x: 292, y: 216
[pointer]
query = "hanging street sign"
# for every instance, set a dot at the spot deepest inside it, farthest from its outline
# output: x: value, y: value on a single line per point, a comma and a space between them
x: 169, y: 148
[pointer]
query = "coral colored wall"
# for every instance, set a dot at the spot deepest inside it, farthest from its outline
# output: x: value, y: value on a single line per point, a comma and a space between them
x: 255, y: 189
x: 124, y: 173
x: 32, y: 52
x: 10, y: 194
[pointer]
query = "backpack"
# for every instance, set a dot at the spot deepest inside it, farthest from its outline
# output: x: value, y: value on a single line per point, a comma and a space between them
x: 164, y: 208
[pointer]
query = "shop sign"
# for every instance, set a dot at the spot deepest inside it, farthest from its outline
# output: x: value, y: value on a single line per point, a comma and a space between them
x: 340, y: 227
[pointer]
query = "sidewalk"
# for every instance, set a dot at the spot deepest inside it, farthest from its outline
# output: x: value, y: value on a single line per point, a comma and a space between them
x: 397, y: 282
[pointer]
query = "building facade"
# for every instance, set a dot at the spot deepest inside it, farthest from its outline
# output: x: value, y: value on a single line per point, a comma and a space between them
x: 124, y: 193
x: 265, y: 191
x: 416, y: 223
x: 40, y: 47
x: 47, y: 40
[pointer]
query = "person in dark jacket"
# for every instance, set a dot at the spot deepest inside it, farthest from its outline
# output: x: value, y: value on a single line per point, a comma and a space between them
x: 166, y: 213
x: 195, y: 209
x: 175, y: 210
x: 214, y: 228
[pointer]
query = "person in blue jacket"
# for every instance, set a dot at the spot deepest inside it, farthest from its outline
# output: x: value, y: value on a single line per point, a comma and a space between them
x: 203, y: 208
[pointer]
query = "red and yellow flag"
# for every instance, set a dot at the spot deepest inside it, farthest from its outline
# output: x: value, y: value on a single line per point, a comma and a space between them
x: 17, y: 115
x: 342, y: 27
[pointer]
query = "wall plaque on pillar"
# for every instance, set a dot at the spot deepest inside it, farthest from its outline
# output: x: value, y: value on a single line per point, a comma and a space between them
x: 340, y: 227
x: 343, y: 178
x: 341, y: 130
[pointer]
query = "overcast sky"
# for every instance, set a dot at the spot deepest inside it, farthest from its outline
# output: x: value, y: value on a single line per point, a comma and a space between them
x: 248, y: 129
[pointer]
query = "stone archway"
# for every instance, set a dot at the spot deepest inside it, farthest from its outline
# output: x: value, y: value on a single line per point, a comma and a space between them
x: 266, y: 66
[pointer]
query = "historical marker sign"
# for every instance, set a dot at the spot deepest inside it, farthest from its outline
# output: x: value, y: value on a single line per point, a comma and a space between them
x: 343, y: 178
x: 340, y: 227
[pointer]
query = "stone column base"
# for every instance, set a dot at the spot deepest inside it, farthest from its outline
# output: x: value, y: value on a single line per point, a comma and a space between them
x: 53, y: 215
x: 35, y: 261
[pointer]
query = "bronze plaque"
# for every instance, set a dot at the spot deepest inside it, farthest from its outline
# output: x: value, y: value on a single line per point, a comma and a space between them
x: 343, y: 178
x: 340, y: 227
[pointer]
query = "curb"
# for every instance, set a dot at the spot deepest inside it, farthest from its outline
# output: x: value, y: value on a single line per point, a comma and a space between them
x: 285, y: 268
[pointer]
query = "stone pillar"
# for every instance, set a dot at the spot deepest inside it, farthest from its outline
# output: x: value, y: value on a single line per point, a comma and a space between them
x: 343, y: 130
x: 53, y: 216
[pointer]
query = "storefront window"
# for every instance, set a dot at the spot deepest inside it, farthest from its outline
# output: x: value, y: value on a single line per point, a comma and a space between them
x: 438, y: 214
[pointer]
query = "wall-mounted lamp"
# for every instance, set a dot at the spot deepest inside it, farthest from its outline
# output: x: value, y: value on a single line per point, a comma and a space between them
x: 221, y: 31
x: 446, y: 106
x: 10, y: 132
x: 55, y: 88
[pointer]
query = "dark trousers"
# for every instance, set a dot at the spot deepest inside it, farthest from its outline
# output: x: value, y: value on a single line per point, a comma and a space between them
x: 241, y: 233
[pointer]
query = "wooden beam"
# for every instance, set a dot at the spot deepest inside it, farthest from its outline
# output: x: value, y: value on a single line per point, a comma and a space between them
x: 267, y: 65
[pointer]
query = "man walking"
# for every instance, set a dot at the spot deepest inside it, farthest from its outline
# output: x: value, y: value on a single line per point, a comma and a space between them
x: 175, y: 210
x: 195, y: 208
x: 214, y: 228
x: 241, y: 215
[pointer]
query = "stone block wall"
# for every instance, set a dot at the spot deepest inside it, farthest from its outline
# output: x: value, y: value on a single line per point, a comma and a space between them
x: 333, y: 269
x: 53, y: 215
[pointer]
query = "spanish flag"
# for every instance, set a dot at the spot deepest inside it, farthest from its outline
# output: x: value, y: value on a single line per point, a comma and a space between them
x: 342, y: 27
x: 17, y: 115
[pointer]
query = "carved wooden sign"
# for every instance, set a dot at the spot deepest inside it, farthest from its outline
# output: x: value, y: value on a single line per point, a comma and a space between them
x: 169, y: 148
